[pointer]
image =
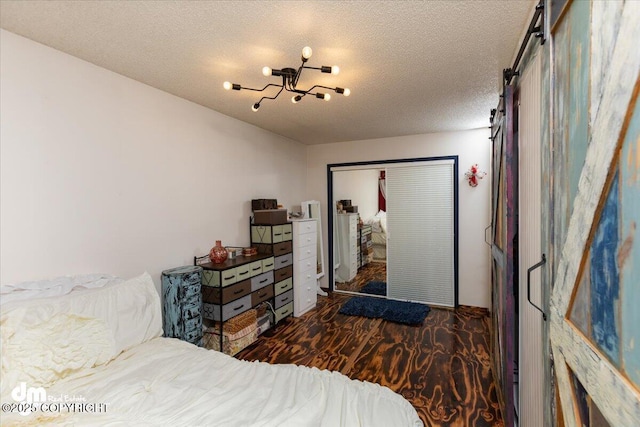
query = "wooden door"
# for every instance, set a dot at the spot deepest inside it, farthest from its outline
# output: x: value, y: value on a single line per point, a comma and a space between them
x: 594, y: 314
x: 503, y: 271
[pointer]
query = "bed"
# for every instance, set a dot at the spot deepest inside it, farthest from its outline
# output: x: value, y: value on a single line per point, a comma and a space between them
x: 379, y: 235
x: 93, y: 354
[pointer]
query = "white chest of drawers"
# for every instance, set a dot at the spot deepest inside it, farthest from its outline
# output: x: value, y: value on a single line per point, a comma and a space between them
x: 348, y: 246
x: 304, y: 265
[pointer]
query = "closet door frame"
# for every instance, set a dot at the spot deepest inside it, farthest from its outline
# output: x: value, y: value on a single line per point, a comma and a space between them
x: 376, y: 164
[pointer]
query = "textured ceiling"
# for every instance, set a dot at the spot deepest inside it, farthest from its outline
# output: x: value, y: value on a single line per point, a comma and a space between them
x: 413, y: 67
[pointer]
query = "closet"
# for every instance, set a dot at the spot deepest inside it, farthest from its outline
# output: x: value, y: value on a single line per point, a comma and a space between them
x: 421, y: 229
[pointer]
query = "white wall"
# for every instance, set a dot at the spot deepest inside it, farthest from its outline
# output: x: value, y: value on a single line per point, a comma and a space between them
x: 361, y: 187
x: 471, y: 147
x: 100, y: 173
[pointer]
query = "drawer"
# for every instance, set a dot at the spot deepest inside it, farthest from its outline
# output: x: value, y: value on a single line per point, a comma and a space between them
x: 277, y: 234
x: 284, y: 311
x: 284, y: 261
x: 273, y: 249
x: 189, y: 292
x: 282, y: 248
x: 190, y: 311
x: 305, y: 297
x: 306, y: 239
x: 306, y: 226
x: 283, y: 273
x: 229, y: 277
x: 255, y: 268
x: 243, y: 272
x: 306, y: 252
x: 261, y: 295
x: 287, y: 232
x: 307, y: 273
x: 261, y: 281
x: 284, y: 298
x: 268, y: 264
x: 229, y: 310
x: 283, y: 286
x: 220, y: 278
x: 216, y: 295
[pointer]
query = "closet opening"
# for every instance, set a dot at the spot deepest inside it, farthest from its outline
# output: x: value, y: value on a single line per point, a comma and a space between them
x: 415, y: 234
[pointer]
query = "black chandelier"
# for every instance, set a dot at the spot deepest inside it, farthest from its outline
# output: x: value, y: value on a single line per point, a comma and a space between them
x: 290, y: 77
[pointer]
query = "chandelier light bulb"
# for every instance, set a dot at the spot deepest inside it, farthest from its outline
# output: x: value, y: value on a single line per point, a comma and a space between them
x: 335, y: 70
x: 327, y: 97
x: 347, y: 91
x: 295, y: 99
x: 266, y: 71
x: 226, y: 85
x: 306, y: 52
x: 255, y: 107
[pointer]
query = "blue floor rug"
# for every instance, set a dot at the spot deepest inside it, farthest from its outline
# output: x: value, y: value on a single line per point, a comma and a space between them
x: 409, y: 313
x: 375, y: 288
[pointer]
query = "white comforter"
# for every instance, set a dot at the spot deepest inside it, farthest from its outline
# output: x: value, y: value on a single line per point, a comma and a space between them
x: 165, y: 381
x: 94, y: 356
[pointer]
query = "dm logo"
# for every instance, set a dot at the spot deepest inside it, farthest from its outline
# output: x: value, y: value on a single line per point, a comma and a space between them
x: 28, y: 395
x: 22, y: 393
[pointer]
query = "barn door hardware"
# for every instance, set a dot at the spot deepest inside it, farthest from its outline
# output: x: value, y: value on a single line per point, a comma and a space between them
x: 533, y: 267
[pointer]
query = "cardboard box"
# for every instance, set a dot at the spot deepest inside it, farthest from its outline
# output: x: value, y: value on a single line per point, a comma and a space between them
x: 270, y: 216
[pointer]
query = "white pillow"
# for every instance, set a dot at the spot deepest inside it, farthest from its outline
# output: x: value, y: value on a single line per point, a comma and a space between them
x: 81, y: 329
x: 54, y: 287
x: 382, y: 215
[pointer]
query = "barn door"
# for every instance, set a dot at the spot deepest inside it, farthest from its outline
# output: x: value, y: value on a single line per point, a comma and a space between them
x: 594, y: 310
x: 504, y: 190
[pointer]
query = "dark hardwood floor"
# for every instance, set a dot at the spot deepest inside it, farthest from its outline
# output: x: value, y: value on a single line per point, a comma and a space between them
x: 442, y: 367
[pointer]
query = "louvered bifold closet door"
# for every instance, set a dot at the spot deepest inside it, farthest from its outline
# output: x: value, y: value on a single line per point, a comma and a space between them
x: 420, y: 233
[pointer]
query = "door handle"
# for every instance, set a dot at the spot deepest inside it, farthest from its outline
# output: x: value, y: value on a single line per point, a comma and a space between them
x: 529, y: 270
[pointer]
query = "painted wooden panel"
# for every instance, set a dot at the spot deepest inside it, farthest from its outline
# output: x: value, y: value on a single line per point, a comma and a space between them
x: 580, y: 307
x: 605, y: 280
x: 628, y: 256
x: 579, y: 32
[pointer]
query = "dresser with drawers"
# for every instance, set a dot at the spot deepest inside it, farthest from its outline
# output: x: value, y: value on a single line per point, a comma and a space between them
x: 348, y: 246
x: 234, y: 286
x: 276, y: 240
x: 366, y: 245
x: 305, y: 264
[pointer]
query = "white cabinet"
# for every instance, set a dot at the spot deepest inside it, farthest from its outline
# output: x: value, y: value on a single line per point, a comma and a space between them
x: 304, y: 265
x: 348, y: 246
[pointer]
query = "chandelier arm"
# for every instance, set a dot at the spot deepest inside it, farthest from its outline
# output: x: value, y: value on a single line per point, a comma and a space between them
x: 320, y: 86
x: 260, y: 90
x: 297, y: 76
x: 272, y: 97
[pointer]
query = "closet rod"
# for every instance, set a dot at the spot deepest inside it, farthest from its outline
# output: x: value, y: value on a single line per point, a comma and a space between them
x: 509, y: 73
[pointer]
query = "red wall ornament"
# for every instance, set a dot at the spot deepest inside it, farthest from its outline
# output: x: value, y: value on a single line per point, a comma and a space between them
x: 474, y: 175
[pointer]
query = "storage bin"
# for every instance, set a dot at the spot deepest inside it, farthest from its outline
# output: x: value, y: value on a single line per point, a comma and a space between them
x: 270, y: 216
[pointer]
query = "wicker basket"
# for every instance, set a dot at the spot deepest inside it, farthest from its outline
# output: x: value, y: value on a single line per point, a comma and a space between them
x: 241, y: 321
